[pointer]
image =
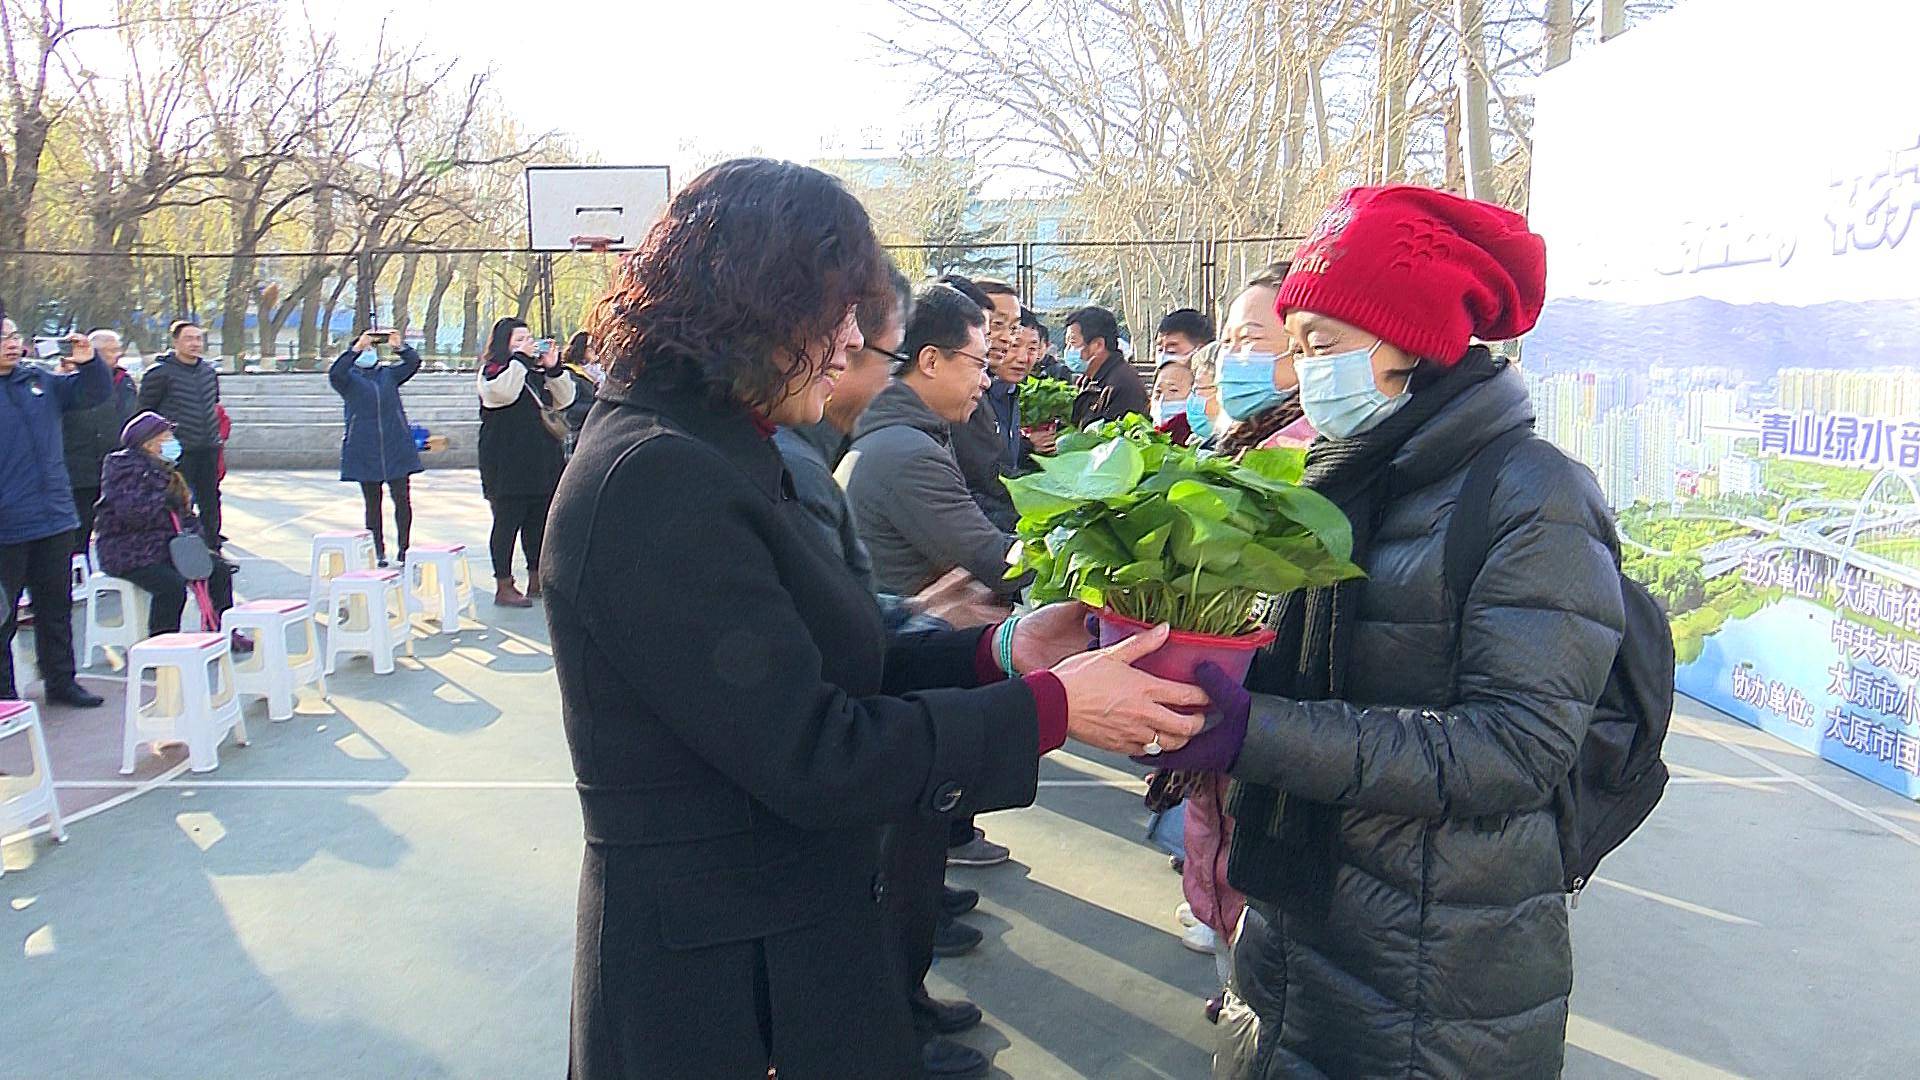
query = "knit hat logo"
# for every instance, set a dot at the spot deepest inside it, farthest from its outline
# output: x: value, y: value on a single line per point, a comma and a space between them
x: 1320, y: 251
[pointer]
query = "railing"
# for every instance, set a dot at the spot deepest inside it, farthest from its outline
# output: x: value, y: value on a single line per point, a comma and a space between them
x: 279, y: 311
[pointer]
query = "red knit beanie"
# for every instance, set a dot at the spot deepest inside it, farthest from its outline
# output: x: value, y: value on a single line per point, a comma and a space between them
x: 1421, y: 269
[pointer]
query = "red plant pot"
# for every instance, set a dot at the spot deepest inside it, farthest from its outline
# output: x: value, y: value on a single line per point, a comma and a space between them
x: 1186, y: 650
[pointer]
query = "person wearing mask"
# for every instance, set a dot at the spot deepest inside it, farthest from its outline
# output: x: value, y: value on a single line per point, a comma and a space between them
x: 1172, y: 387
x: 1045, y: 364
x: 1205, y: 421
x: 523, y: 389
x: 1258, y: 384
x: 90, y: 434
x: 37, y: 515
x: 144, y: 504
x: 585, y: 373
x: 740, y: 722
x: 1109, y: 387
x: 184, y: 387
x: 910, y: 503
x: 985, y: 448
x: 1181, y: 331
x: 378, y: 446
x: 1396, y: 751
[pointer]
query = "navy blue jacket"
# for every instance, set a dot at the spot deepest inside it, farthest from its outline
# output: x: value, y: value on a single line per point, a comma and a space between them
x: 378, y: 444
x: 35, y: 499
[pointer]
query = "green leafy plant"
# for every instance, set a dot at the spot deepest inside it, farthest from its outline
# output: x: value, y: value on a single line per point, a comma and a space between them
x: 1122, y: 518
x: 1046, y: 401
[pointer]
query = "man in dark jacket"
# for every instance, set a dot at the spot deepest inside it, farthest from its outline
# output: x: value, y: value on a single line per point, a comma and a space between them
x: 37, y: 518
x: 981, y: 445
x: 185, y: 389
x: 910, y: 503
x: 1109, y: 387
x: 93, y: 433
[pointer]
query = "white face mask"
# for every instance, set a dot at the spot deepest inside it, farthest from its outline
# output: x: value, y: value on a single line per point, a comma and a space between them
x: 1339, y: 396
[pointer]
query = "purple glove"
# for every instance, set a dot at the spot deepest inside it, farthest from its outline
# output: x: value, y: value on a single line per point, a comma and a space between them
x: 1218, y: 747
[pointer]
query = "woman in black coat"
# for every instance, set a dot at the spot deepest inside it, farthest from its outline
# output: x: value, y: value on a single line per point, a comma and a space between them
x: 523, y: 392
x: 740, y: 723
x: 1396, y: 761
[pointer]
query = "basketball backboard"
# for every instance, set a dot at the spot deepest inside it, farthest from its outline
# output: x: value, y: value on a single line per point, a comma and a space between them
x: 619, y: 202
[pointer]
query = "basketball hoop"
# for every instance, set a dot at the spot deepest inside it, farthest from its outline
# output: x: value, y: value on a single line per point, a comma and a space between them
x: 596, y: 244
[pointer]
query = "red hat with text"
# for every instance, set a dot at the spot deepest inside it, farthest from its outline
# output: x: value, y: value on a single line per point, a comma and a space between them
x: 1421, y: 269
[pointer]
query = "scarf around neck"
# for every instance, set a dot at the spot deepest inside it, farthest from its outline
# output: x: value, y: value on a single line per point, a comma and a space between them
x: 1287, y: 856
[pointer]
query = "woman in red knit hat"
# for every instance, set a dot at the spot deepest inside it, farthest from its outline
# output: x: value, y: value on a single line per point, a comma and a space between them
x: 1396, y: 750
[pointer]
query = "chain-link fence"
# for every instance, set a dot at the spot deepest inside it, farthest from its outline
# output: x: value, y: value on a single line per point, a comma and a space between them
x: 295, y: 311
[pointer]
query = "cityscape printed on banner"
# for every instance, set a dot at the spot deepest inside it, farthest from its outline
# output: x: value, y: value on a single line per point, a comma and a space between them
x: 1763, y: 463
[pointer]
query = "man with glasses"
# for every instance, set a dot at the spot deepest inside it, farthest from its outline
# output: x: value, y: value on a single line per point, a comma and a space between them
x: 910, y: 503
x: 37, y: 516
x: 987, y: 446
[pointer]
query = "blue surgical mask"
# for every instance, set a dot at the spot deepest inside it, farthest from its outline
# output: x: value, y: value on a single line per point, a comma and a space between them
x: 1246, y: 384
x: 1074, y: 360
x: 170, y: 450
x: 1166, y: 409
x: 366, y: 359
x: 1197, y: 417
x: 1339, y: 396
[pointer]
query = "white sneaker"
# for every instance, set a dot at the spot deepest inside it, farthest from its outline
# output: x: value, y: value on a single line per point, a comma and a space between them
x: 1201, y: 939
x: 1184, y: 914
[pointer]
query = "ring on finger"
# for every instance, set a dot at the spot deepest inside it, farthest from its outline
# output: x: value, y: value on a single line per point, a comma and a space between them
x: 1153, y: 747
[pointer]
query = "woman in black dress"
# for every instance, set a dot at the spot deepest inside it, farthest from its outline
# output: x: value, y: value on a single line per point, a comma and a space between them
x: 741, y: 724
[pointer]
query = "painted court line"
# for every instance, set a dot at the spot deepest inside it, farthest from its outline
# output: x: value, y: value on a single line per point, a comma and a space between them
x: 169, y: 780
x: 1638, y: 1054
x: 1791, y: 777
x: 1675, y: 902
x: 133, y: 788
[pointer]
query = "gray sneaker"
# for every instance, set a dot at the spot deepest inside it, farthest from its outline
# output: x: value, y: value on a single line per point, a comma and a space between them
x: 978, y: 851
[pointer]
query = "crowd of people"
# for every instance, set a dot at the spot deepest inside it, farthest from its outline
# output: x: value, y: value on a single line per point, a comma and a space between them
x: 763, y: 501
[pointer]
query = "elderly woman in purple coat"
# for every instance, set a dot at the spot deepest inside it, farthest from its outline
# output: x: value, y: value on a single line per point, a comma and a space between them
x: 144, y: 504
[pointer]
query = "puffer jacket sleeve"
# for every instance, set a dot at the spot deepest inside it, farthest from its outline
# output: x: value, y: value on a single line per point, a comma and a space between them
x: 337, y: 376
x: 1539, y: 632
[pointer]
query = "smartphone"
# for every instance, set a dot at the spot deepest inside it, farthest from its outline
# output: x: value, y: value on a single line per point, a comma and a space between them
x: 542, y: 347
x: 379, y: 337
x: 47, y: 348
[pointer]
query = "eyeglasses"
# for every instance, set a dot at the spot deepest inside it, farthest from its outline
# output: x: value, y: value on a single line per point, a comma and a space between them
x: 896, y: 357
x: 979, y: 361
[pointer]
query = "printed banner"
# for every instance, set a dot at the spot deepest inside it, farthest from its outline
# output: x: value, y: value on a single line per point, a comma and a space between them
x: 1732, y: 344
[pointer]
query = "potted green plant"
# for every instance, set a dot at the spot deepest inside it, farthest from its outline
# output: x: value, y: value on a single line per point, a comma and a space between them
x: 1148, y: 532
x: 1045, y: 404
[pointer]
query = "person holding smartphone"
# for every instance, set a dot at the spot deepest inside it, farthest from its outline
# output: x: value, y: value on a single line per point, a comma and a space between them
x: 524, y: 389
x: 378, y: 446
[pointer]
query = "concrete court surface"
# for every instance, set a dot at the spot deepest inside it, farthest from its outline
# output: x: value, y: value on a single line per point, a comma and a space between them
x: 386, y: 890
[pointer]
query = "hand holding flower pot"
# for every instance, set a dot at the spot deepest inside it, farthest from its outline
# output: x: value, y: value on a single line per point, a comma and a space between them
x: 1114, y: 705
x: 1153, y: 533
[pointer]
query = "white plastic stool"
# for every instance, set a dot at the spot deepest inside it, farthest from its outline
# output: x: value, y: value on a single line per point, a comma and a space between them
x: 20, y: 808
x: 336, y: 553
x: 368, y: 610
x: 195, y: 698
x: 121, y: 632
x: 272, y: 671
x: 81, y: 576
x: 439, y: 585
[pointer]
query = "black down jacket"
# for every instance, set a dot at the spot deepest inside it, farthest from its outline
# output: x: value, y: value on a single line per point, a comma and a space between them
x: 1445, y: 952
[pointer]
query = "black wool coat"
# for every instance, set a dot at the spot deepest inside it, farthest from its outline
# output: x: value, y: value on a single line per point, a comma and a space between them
x: 741, y: 727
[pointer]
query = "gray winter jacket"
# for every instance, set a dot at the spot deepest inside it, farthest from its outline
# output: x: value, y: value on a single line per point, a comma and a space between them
x: 910, y: 503
x: 1445, y: 953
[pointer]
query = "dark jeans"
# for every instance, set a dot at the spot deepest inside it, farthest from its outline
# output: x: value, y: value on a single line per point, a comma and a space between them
x: 524, y: 516
x: 201, y: 470
x: 402, y: 514
x: 913, y: 860
x: 40, y: 567
x: 169, y: 591
x: 960, y: 831
x: 85, y: 500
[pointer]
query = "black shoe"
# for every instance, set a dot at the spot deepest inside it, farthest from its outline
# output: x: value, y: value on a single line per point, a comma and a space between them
x: 944, y: 1017
x: 380, y: 559
x: 72, y: 693
x: 948, y: 1060
x: 955, y: 939
x: 957, y: 902
x: 1179, y: 864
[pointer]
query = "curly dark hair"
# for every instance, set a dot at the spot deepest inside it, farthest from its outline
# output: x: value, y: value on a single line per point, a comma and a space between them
x: 741, y: 284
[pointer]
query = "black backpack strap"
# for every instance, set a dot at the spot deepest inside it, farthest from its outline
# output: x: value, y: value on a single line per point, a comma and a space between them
x: 1470, y: 530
